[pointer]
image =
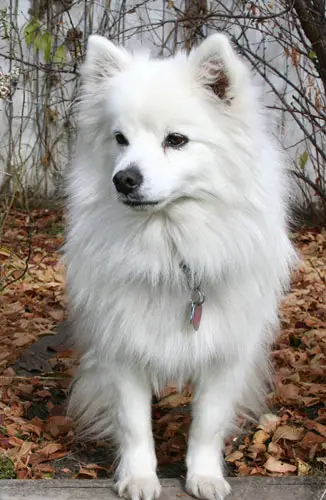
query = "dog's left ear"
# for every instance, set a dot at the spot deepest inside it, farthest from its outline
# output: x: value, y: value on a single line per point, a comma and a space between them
x: 103, y: 59
x: 218, y: 67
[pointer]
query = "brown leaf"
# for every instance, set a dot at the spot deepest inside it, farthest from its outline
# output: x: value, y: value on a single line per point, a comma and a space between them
x: 50, y: 449
x: 4, y: 355
x: 289, y: 433
x: 260, y: 437
x: 173, y: 401
x: 56, y: 314
x: 23, y: 474
x: 257, y: 448
x: 275, y: 450
x: 303, y: 468
x: 45, y: 468
x: 287, y: 393
x: 312, y: 425
x: 32, y: 428
x: 311, y: 439
x: 22, y: 339
x: 43, y: 393
x: 235, y: 455
x: 26, y: 388
x: 15, y: 441
x: 86, y: 474
x: 244, y: 470
x: 171, y: 429
x: 11, y: 429
x: 268, y: 422
x: 59, y: 425
x: 24, y: 450
x: 168, y: 390
x: 274, y: 465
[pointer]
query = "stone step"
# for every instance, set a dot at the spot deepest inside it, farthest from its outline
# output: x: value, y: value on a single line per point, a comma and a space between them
x: 244, y: 488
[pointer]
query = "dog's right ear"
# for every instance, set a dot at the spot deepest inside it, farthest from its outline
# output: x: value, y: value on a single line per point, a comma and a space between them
x: 103, y: 59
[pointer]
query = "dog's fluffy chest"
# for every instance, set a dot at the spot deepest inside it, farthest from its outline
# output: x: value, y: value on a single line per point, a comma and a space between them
x: 136, y: 305
x: 151, y: 326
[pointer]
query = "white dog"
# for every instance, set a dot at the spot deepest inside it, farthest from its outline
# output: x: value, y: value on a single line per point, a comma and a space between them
x: 177, y: 251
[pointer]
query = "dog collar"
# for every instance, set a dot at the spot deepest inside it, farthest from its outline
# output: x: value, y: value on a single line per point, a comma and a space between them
x: 197, y: 297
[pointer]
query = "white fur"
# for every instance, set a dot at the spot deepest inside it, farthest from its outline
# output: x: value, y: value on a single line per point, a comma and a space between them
x: 221, y: 210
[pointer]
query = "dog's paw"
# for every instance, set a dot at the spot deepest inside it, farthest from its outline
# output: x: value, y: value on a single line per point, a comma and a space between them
x: 208, y: 487
x: 139, y: 488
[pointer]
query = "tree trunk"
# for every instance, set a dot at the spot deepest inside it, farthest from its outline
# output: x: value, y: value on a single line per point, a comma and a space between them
x: 312, y: 17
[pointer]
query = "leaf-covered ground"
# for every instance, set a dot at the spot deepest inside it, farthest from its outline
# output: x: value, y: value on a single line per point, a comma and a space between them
x: 36, y: 440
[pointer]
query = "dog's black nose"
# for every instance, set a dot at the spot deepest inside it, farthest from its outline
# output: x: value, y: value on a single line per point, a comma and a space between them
x: 128, y: 181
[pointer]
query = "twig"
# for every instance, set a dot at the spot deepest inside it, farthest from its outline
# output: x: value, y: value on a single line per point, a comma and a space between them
x: 24, y: 271
x: 313, y: 185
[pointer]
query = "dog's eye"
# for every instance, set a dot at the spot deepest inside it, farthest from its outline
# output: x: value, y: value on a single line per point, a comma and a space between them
x: 121, y: 139
x: 175, y: 140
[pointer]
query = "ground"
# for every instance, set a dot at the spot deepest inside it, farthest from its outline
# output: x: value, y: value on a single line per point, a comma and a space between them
x: 37, y: 441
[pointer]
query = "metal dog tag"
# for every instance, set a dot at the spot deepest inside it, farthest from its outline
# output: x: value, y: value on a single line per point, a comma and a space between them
x: 196, y: 310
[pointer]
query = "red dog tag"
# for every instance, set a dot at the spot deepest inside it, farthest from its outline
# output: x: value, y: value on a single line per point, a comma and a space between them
x: 196, y: 314
x: 196, y: 311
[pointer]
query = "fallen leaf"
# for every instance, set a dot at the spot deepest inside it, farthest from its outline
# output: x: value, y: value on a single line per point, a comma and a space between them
x: 312, y: 425
x: 24, y: 450
x: 235, y: 455
x: 289, y: 433
x: 260, y: 437
x: 173, y: 401
x: 32, y: 428
x: 43, y: 393
x: 45, y: 468
x: 274, y: 465
x: 257, y: 448
x: 58, y: 424
x: 275, y: 449
x: 303, y: 468
x: 11, y: 429
x: 287, y: 393
x: 22, y: 339
x: 268, y: 422
x: 56, y: 314
x: 311, y: 439
x: 4, y: 355
x: 86, y: 474
x: 15, y: 441
x: 23, y: 474
x: 50, y: 449
x: 171, y: 429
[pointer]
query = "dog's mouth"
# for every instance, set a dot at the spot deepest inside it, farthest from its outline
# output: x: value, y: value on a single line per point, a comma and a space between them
x: 140, y: 203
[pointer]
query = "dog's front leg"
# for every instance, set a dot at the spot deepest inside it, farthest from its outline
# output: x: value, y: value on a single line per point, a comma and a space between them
x: 136, y: 473
x: 216, y: 396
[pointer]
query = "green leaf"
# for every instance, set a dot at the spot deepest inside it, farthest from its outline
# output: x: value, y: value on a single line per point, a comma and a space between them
x: 312, y: 55
x: 46, y: 46
x: 37, y: 42
x: 303, y: 159
x: 60, y: 55
x: 31, y: 30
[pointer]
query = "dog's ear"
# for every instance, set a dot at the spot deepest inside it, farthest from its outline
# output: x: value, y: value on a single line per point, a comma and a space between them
x: 103, y: 59
x: 218, y: 67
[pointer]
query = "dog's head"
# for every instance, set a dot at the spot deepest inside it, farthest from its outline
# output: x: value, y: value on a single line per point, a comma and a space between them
x: 169, y: 129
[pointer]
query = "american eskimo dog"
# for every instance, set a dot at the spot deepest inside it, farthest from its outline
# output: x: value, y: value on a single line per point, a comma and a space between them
x: 177, y: 251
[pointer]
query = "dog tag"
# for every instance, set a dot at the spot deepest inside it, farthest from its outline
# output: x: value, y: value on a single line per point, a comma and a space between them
x: 196, y: 311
